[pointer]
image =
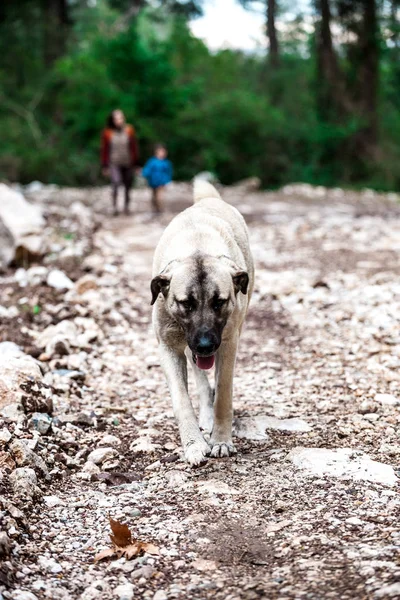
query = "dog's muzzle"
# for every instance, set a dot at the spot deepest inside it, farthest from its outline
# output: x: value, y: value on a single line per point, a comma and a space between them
x: 204, y: 348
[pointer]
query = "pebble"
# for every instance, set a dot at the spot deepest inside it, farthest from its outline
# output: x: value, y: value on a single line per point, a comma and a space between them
x: 5, y: 437
x: 387, y: 399
x: 52, y: 501
x: 24, y: 482
x: 99, y: 455
x: 50, y: 565
x: 160, y: 595
x: 23, y: 595
x: 124, y: 591
x: 58, y: 280
x: 41, y: 422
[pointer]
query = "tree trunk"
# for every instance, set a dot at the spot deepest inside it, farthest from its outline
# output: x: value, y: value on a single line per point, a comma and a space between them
x: 369, y: 76
x: 333, y: 99
x: 55, y: 29
x: 271, y: 33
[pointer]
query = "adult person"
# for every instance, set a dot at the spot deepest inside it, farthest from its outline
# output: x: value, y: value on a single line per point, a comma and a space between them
x: 119, y: 156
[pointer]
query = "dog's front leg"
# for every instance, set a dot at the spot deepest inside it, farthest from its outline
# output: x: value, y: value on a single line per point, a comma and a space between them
x: 194, y: 445
x: 221, y: 438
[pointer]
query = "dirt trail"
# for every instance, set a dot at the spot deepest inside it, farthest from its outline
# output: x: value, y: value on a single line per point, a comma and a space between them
x: 321, y: 348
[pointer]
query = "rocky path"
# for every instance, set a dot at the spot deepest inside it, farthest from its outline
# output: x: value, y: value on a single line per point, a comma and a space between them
x: 308, y: 508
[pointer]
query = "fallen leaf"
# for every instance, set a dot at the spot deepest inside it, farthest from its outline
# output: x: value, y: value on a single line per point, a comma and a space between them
x: 121, y: 533
x: 150, y: 548
x: 123, y: 545
x: 104, y: 554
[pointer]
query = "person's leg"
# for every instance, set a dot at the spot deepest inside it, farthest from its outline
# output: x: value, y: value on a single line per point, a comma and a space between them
x: 127, y: 173
x: 154, y: 199
x: 157, y: 199
x: 115, y: 176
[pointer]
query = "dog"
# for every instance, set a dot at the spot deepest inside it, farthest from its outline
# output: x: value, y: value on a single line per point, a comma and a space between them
x: 203, y: 278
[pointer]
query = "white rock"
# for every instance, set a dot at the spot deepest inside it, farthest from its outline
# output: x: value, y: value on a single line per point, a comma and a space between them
x: 108, y: 439
x: 354, y: 521
x: 342, y: 462
x: 23, y: 595
x: 16, y: 368
x: 52, y: 501
x: 49, y: 564
x: 387, y: 399
x: 100, y: 455
x: 389, y: 591
x: 59, y: 280
x: 5, y: 437
x: 144, y: 444
x: 21, y: 226
x: 124, y: 591
x: 160, y: 595
x: 65, y: 330
x: 24, y: 482
x: 90, y: 468
x: 215, y: 486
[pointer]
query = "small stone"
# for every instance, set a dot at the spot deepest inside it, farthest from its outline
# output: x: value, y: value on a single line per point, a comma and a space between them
x: 100, y: 455
x: 41, y: 422
x: 387, y: 399
x: 108, y: 440
x: 201, y: 564
x: 388, y: 591
x: 50, y: 565
x: 5, y: 437
x: 160, y: 595
x: 52, y: 501
x: 24, y: 482
x: 91, y: 468
x: 124, y: 591
x: 23, y: 595
x: 86, y: 283
x: 354, y: 521
x: 146, y: 572
x: 5, y: 545
x: 6, y: 461
x: 58, y: 280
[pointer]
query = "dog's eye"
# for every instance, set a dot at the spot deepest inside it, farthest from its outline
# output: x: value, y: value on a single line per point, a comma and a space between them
x: 218, y: 304
x: 188, y: 305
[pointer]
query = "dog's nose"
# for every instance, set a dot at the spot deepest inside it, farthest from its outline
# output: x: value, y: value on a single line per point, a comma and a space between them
x: 206, y: 344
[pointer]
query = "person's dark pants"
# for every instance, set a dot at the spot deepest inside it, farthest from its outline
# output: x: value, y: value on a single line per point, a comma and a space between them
x: 124, y: 176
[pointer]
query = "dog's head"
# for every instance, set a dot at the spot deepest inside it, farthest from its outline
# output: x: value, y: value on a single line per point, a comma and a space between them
x: 200, y: 294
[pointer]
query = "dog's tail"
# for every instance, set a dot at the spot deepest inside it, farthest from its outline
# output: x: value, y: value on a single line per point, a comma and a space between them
x: 202, y: 189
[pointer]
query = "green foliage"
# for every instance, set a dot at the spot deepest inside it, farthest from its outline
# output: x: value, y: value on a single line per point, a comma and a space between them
x: 224, y: 111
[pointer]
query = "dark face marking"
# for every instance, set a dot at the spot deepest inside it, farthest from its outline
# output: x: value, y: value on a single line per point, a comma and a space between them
x: 202, y: 312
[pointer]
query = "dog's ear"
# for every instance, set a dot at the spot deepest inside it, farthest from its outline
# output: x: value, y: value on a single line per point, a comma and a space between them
x: 240, y: 281
x: 159, y: 284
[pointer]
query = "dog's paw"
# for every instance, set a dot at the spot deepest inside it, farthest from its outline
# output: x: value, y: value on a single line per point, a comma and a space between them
x: 197, y: 453
x: 221, y: 449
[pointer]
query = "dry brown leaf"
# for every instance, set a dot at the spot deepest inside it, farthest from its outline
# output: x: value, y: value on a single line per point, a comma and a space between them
x: 150, y: 548
x: 121, y: 533
x: 131, y: 551
x: 124, y: 545
x: 104, y: 554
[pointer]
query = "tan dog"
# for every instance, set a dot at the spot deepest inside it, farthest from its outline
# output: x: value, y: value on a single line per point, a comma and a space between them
x: 203, y: 277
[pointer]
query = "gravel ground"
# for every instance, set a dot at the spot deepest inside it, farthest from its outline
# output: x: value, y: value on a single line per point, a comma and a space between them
x: 309, y: 506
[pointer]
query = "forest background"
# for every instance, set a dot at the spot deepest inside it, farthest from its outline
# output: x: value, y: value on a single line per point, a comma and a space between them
x: 320, y: 104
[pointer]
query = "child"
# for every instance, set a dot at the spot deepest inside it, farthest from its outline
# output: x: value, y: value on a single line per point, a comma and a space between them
x: 158, y: 172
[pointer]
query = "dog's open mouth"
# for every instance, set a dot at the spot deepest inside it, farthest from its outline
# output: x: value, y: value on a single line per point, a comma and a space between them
x: 204, y: 362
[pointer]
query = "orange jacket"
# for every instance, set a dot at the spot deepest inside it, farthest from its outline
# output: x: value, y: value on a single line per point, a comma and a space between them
x: 105, y: 145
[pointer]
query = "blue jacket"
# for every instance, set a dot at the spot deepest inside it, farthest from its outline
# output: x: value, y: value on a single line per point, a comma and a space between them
x: 157, y: 172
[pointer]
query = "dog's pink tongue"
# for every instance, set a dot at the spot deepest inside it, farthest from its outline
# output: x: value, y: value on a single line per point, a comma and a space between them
x: 205, y: 362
